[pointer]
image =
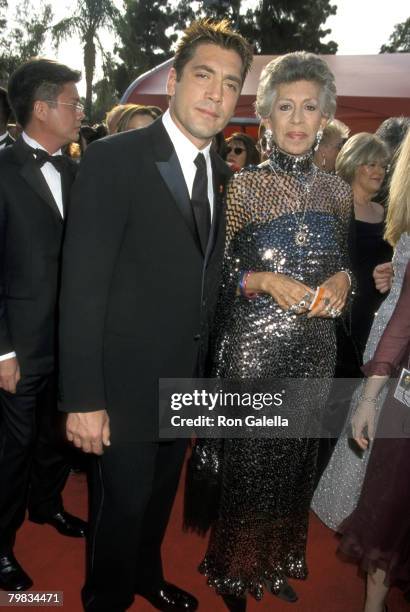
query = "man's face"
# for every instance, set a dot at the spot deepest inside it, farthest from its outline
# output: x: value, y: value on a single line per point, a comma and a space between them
x: 62, y: 119
x: 205, y: 97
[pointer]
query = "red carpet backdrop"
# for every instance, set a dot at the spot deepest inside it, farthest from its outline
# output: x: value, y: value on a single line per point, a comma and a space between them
x: 57, y: 563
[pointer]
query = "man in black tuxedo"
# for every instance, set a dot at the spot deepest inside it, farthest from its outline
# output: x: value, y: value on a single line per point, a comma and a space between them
x: 35, y: 180
x: 141, y: 269
x: 5, y: 111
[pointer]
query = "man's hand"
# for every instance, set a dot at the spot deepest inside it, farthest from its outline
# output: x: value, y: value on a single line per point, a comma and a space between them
x: 383, y: 277
x: 9, y: 374
x: 89, y: 431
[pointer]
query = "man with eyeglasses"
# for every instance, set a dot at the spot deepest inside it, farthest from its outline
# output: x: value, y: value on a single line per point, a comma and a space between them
x: 35, y: 180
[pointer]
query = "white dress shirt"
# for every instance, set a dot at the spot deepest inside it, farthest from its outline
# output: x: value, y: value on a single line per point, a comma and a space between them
x: 52, y: 176
x: 186, y: 152
x: 53, y: 179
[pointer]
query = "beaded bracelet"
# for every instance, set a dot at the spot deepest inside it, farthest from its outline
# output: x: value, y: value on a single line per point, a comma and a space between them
x: 243, y: 279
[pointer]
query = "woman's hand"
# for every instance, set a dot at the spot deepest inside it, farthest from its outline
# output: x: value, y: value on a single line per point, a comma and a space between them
x: 286, y: 291
x: 364, y: 419
x: 335, y: 292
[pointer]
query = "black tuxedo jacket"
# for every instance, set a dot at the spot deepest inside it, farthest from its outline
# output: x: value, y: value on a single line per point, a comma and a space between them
x: 138, y: 291
x: 31, y: 231
x: 9, y: 140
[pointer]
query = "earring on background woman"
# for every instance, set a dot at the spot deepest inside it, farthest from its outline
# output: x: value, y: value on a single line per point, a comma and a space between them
x: 318, y: 139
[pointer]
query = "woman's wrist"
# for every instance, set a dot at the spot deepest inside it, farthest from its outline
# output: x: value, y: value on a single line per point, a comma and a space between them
x: 347, y: 273
x: 370, y: 401
x: 244, y: 289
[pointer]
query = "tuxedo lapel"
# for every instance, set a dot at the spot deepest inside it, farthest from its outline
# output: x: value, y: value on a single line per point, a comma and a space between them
x: 170, y: 170
x: 172, y: 174
x: 33, y: 176
x: 35, y: 179
x: 9, y: 140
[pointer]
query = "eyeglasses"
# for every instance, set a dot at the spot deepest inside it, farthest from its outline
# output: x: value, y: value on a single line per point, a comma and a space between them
x: 78, y: 107
x: 236, y: 150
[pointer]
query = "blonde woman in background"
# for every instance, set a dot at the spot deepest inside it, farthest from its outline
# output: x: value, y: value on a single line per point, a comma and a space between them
x: 362, y: 163
x: 339, y: 488
x: 334, y: 136
x: 137, y: 116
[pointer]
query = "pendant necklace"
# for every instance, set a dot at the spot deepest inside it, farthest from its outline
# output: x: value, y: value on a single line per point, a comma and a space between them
x: 301, y: 236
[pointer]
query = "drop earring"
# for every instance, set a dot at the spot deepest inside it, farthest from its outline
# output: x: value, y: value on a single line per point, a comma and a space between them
x: 267, y: 141
x: 318, y: 139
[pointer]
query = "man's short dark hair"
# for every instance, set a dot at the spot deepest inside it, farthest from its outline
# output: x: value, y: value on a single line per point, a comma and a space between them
x: 37, y: 79
x: 5, y: 110
x: 206, y: 31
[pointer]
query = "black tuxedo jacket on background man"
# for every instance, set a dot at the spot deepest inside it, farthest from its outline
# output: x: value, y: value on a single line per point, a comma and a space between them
x: 137, y: 300
x: 138, y: 290
x: 9, y: 140
x: 31, y: 232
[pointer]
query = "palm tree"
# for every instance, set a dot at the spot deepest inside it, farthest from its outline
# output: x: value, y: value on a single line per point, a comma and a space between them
x: 88, y: 18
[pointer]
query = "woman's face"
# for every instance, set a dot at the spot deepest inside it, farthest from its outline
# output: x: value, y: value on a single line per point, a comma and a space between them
x: 236, y: 153
x: 296, y: 116
x: 369, y: 177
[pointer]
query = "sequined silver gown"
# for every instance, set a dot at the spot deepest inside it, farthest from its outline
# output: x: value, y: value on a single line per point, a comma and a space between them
x: 260, y: 534
x: 339, y: 488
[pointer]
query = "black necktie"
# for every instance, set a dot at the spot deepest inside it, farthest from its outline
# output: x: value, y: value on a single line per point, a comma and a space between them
x: 42, y: 157
x: 200, y: 202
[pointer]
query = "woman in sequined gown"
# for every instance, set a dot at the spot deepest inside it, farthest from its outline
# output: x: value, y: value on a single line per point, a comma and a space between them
x: 339, y: 488
x: 362, y: 163
x: 287, y: 225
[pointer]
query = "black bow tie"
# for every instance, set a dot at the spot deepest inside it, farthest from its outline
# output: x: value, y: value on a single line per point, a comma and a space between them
x: 42, y: 157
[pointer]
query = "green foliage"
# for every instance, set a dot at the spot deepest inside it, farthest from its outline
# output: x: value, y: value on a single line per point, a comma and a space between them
x: 289, y: 25
x: 186, y: 11
x: 147, y: 29
x: 272, y: 27
x: 104, y: 90
x: 26, y: 39
x: 88, y: 18
x: 145, y: 38
x: 399, y: 41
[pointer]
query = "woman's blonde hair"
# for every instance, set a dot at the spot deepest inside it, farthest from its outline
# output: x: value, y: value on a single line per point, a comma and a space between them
x: 398, y: 212
x: 361, y: 149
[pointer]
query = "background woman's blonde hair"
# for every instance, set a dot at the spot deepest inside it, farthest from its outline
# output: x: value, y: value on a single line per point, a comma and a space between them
x: 398, y: 212
x: 361, y: 149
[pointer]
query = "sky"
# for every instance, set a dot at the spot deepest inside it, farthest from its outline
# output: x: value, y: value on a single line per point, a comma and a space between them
x: 359, y: 27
